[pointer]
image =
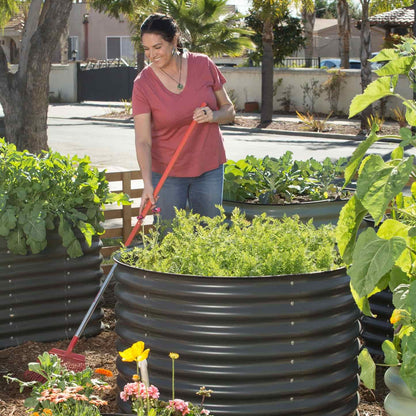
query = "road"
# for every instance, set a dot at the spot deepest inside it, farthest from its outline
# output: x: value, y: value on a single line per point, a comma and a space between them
x: 111, y: 145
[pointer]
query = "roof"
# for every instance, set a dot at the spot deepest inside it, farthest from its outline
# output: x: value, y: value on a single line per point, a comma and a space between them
x: 15, y: 23
x: 398, y: 17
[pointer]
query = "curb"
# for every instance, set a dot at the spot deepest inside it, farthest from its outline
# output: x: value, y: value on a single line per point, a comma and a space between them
x: 226, y: 127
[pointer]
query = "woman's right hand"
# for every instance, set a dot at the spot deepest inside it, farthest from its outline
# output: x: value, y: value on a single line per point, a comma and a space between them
x: 147, y: 195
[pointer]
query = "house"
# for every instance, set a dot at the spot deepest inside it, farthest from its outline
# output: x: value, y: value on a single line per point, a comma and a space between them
x: 96, y: 36
x: 326, y: 39
x: 10, y: 38
x: 398, y: 21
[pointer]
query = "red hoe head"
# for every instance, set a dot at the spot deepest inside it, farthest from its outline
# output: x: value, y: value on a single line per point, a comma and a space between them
x: 73, y: 362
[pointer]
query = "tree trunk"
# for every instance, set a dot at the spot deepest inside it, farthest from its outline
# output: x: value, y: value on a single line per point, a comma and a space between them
x: 267, y: 73
x: 24, y: 95
x: 308, y: 20
x: 365, y: 53
x: 344, y: 32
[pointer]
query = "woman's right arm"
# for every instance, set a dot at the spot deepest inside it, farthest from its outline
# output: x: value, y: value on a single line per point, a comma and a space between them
x: 143, y: 140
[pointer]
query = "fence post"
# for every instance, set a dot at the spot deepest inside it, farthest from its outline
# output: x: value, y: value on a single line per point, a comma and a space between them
x: 126, y: 183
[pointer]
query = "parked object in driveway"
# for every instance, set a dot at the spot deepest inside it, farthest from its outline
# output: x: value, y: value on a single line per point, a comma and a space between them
x: 336, y: 63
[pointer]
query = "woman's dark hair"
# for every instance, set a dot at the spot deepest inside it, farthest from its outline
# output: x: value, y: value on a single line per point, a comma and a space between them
x: 163, y: 25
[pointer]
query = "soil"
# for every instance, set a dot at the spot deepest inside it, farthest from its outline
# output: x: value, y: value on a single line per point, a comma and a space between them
x: 100, y: 351
x: 287, y: 122
x: 334, y: 126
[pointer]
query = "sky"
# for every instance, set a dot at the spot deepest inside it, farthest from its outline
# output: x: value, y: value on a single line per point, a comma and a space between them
x: 241, y: 5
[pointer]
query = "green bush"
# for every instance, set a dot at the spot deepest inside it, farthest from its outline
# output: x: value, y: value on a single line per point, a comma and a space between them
x: 282, y: 180
x: 204, y: 246
x: 48, y: 191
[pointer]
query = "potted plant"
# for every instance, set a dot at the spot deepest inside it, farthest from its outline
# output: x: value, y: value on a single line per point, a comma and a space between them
x: 260, y: 312
x: 385, y: 258
x: 283, y: 186
x: 50, y: 220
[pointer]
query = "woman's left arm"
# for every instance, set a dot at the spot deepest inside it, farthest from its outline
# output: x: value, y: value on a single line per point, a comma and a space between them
x: 224, y: 114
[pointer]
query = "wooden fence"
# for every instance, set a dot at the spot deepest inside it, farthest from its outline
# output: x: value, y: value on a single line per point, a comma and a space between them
x: 119, y: 220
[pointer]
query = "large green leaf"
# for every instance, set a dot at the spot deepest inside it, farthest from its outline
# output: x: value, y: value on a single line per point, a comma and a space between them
x: 358, y: 155
x: 378, y: 89
x: 408, y: 367
x: 69, y: 240
x: 368, y: 369
x: 17, y: 242
x: 373, y: 258
x: 399, y: 65
x: 410, y: 113
x: 88, y: 231
x: 393, y: 228
x: 411, y: 300
x: 350, y: 218
x: 379, y: 182
x: 35, y: 228
x: 391, y: 355
x: 8, y: 221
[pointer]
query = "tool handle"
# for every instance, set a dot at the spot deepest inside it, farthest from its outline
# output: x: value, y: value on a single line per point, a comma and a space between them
x: 146, y: 208
x: 162, y: 180
x: 91, y: 310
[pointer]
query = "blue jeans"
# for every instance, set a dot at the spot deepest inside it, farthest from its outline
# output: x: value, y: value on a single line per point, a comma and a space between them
x: 200, y: 193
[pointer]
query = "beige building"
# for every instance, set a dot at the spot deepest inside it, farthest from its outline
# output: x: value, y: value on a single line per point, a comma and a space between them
x: 10, y: 38
x: 326, y: 39
x: 94, y: 35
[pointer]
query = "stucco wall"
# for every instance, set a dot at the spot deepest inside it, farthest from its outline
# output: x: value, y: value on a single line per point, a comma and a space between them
x: 244, y: 84
x: 63, y: 83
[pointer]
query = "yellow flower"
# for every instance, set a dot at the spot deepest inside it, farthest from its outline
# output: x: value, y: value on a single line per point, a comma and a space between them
x: 136, y: 377
x: 35, y: 414
x: 135, y: 353
x: 396, y: 316
x: 173, y: 355
x: 47, y: 412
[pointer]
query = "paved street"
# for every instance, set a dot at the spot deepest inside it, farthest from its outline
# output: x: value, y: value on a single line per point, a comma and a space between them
x: 111, y: 145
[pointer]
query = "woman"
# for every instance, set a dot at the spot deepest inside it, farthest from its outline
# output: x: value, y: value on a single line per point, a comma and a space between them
x: 167, y: 96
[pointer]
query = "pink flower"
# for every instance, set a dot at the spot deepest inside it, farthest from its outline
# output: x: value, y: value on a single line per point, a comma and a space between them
x: 180, y: 405
x: 204, y: 412
x: 130, y: 389
x: 153, y: 392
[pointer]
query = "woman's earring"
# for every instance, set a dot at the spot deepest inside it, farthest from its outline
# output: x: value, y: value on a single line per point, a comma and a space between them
x: 173, y: 51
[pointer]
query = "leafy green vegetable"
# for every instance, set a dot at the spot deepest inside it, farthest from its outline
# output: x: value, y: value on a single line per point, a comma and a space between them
x: 280, y: 180
x: 47, y: 191
x: 386, y: 258
x: 204, y: 246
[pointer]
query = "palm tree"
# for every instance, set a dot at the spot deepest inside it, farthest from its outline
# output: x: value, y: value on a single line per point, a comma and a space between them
x: 308, y: 20
x: 267, y: 10
x: 344, y: 32
x: 207, y: 26
x: 365, y: 54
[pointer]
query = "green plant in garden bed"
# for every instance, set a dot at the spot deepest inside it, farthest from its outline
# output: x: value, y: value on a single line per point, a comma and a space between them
x: 48, y: 191
x: 386, y: 258
x: 211, y: 247
x: 282, y: 180
x: 61, y: 392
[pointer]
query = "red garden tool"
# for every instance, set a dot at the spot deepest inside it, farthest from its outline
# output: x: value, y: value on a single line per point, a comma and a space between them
x: 76, y: 362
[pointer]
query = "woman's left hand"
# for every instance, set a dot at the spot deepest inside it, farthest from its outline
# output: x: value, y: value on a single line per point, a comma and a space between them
x: 203, y: 115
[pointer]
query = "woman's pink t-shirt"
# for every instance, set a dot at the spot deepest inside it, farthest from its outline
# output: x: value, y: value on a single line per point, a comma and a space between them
x: 171, y: 115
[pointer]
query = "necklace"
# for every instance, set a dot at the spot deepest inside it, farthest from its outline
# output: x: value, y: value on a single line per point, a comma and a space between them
x: 179, y: 86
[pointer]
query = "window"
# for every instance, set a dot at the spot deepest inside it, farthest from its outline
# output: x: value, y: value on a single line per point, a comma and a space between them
x: 120, y: 47
x: 73, y: 46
